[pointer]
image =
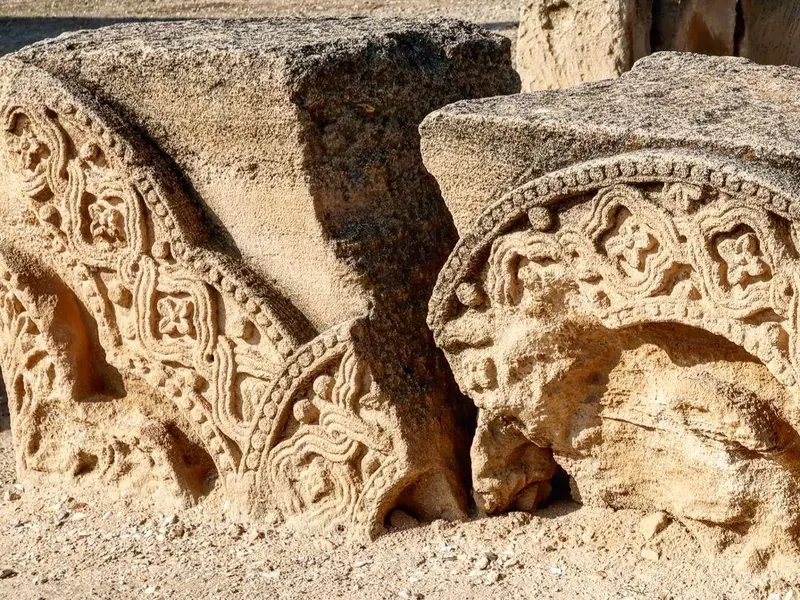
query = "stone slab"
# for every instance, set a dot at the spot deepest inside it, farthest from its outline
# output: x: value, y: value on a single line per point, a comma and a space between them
x: 480, y: 150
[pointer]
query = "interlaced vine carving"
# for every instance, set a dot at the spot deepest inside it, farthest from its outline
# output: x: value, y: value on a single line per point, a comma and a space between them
x: 175, y: 312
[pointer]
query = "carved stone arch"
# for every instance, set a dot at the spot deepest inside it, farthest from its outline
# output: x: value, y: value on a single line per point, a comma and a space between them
x: 295, y: 420
x: 699, y: 206
x: 171, y: 308
x: 629, y: 258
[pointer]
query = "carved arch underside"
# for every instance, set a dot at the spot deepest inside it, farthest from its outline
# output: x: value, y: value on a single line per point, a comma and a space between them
x: 95, y: 204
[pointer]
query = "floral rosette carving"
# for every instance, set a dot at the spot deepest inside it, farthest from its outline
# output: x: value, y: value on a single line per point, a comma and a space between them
x: 663, y: 243
x: 174, y: 314
x: 36, y: 151
x: 635, y: 240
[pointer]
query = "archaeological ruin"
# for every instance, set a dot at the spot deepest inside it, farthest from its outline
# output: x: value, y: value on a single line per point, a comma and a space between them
x: 337, y: 269
x: 622, y: 302
x: 219, y: 242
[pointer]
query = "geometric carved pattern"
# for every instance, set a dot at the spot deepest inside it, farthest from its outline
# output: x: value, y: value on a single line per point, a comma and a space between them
x: 298, y: 426
x: 665, y: 240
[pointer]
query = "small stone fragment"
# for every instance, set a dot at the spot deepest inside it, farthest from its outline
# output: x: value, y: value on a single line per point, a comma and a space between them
x: 650, y: 554
x: 176, y: 531
x: 653, y: 524
x: 253, y: 535
x: 490, y: 556
x: 62, y: 516
x: 235, y: 531
x: 10, y: 496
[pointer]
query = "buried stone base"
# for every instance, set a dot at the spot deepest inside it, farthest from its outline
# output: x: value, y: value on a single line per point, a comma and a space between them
x: 631, y: 319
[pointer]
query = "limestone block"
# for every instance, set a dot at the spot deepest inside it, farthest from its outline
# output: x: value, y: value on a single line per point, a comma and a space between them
x: 564, y: 42
x: 623, y: 301
x: 218, y: 242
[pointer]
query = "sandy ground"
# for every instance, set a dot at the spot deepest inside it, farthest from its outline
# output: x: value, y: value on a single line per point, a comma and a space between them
x: 25, y: 21
x: 58, y: 548
x: 54, y: 547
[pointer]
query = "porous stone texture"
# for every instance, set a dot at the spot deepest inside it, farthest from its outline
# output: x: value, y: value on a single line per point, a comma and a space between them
x: 218, y: 242
x: 565, y: 42
x: 623, y: 301
x: 561, y: 43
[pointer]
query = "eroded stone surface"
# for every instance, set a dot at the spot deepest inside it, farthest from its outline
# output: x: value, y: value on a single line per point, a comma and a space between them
x: 623, y: 306
x: 561, y: 43
x: 565, y: 42
x: 218, y: 244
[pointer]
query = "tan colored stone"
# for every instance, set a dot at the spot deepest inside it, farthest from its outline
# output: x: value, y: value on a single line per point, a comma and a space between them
x: 564, y: 42
x: 644, y: 338
x: 653, y: 524
x: 771, y: 32
x: 218, y: 244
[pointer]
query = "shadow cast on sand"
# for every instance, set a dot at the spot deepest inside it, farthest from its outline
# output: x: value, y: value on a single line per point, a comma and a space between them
x: 17, y: 32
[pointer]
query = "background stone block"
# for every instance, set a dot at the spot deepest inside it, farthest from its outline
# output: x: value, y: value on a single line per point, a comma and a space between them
x: 565, y: 42
x: 562, y: 43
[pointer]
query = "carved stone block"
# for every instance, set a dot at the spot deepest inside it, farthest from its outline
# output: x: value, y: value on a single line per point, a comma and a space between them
x: 623, y: 301
x: 218, y: 243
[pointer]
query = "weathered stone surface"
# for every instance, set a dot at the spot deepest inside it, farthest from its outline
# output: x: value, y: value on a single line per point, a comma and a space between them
x: 565, y: 42
x: 562, y: 43
x: 623, y: 300
x: 771, y: 32
x: 218, y: 244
